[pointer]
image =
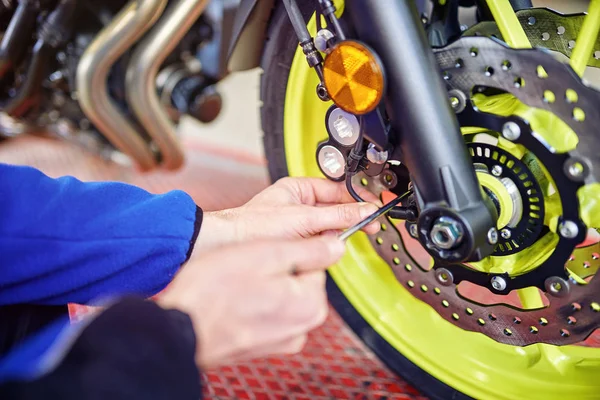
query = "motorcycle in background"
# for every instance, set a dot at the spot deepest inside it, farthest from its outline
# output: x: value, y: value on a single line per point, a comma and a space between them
x: 481, y: 283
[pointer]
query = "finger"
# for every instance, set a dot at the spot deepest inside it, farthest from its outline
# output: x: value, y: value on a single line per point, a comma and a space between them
x: 313, y: 191
x: 313, y: 254
x: 341, y: 216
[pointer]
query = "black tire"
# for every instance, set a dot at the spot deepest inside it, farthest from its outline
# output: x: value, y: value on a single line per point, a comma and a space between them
x: 277, y: 58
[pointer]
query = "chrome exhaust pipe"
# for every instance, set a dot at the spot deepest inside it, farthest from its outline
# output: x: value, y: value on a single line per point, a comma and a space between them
x: 92, y: 73
x: 143, y: 69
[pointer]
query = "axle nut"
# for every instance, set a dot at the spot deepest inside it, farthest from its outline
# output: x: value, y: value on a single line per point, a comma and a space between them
x: 446, y: 233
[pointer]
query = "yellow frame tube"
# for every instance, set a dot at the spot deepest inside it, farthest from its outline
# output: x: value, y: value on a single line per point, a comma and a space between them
x: 586, y: 39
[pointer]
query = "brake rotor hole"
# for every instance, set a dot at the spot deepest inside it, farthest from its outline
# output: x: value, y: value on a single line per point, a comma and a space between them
x: 507, y: 332
x: 379, y: 240
x: 576, y: 306
x: 578, y: 114
x: 517, y: 320
x: 395, y: 247
x: 410, y: 284
x: 364, y: 182
x: 489, y: 71
x: 384, y: 227
x: 543, y: 321
x: 541, y: 72
x: 474, y: 51
x: 424, y: 288
x: 455, y: 316
x: 519, y: 82
x: 396, y: 261
x: 545, y: 36
x: 571, y: 96
x: 586, y: 264
x: 571, y: 44
x: 469, y: 311
x: 571, y: 320
x: 506, y: 65
x: 549, y: 96
x: 595, y: 307
x: 445, y: 303
x: 595, y: 256
x: 459, y: 63
x: 481, y: 321
x: 533, y: 329
x: 531, y: 20
x: 408, y: 267
x: 492, y: 317
x: 564, y: 333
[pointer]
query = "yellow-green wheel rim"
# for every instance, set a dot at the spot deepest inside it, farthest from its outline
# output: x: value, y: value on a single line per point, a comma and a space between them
x: 469, y: 362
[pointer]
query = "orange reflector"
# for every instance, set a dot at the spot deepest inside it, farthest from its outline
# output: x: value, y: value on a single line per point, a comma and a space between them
x: 353, y: 77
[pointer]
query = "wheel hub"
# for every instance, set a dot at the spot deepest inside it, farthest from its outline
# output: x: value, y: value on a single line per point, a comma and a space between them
x: 535, y: 188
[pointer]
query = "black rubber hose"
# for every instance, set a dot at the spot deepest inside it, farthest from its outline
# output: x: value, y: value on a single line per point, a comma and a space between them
x: 16, y: 37
x: 54, y: 32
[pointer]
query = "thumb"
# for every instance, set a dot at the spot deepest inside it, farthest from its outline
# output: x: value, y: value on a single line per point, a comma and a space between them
x: 339, y: 217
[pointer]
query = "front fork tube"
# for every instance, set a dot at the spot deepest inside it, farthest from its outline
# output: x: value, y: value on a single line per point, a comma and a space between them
x: 429, y: 135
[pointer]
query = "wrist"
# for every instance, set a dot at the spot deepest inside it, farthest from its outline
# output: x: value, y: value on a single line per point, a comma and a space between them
x: 218, y: 228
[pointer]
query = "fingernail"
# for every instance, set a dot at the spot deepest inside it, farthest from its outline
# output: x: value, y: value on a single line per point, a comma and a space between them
x: 367, y: 209
x: 337, y: 247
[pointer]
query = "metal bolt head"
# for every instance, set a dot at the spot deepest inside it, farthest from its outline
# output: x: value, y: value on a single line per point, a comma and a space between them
x: 344, y: 127
x: 323, y: 36
x: 332, y: 161
x: 446, y: 233
x: 492, y: 236
x: 568, y: 229
x: 496, y: 170
x: 375, y: 156
x: 505, y: 233
x: 511, y: 131
x: 413, y: 231
x: 498, y: 283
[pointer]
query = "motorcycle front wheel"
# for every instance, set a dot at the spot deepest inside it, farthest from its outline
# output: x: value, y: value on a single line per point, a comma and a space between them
x: 438, y: 358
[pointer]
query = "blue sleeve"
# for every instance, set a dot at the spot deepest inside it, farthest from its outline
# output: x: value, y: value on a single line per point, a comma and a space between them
x: 66, y: 241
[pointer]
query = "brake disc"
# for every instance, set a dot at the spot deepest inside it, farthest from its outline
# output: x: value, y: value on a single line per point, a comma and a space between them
x: 573, y: 310
x: 545, y: 28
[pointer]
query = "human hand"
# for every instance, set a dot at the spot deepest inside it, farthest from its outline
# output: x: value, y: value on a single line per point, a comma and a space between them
x: 254, y: 299
x: 289, y: 209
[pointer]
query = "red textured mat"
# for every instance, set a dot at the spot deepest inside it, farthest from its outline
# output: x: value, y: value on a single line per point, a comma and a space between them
x: 334, y: 363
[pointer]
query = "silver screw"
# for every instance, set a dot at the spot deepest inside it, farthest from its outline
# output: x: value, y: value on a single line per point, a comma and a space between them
x: 492, y: 236
x: 505, y: 233
x: 444, y: 276
x: 331, y: 161
x: 568, y: 229
x: 412, y: 229
x: 323, y: 36
x: 376, y: 156
x: 496, y: 170
x: 446, y: 233
x: 344, y: 127
x: 511, y: 131
x: 498, y: 283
